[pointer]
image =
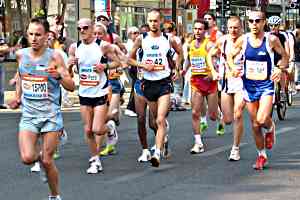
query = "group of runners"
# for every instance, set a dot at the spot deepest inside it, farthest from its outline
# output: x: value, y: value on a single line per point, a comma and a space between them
x: 241, y: 64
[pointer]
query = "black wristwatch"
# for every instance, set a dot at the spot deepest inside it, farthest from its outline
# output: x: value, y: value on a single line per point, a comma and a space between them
x: 59, y: 78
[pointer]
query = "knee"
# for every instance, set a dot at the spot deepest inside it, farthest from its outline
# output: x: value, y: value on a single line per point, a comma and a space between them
x: 47, y: 162
x: 213, y: 116
x: 161, y: 121
x: 141, y: 119
x: 196, y: 114
x: 227, y: 120
x: 28, y: 159
x: 238, y: 115
x: 261, y: 120
x: 89, y: 132
x: 100, y: 130
x: 255, y: 125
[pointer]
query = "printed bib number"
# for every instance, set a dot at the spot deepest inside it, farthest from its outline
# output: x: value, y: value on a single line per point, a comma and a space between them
x: 35, y: 87
x: 256, y: 70
x: 88, y: 77
x: 198, y: 65
x: 157, y: 62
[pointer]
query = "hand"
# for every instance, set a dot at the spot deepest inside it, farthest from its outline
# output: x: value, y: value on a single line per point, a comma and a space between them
x: 215, y: 76
x: 14, y: 103
x: 99, y: 68
x: 176, y: 75
x: 53, y: 72
x: 148, y: 68
x: 12, y: 82
x: 276, y: 75
x: 73, y: 61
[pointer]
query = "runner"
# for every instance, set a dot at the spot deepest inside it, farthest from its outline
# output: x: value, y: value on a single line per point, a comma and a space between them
x: 157, y: 85
x: 88, y: 55
x: 232, y: 103
x: 258, y: 79
x: 203, y: 86
x: 41, y: 71
x: 212, y: 34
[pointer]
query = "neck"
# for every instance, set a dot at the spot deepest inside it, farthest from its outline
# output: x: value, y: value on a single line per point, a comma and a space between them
x: 155, y: 34
x: 88, y: 40
x: 258, y: 35
x: 36, y: 53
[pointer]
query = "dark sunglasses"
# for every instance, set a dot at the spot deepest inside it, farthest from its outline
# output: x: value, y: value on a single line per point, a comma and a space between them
x: 83, y: 28
x: 136, y: 33
x: 254, y: 20
x: 101, y: 19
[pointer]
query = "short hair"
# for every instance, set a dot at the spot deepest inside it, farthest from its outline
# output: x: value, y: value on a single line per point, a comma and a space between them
x: 41, y: 21
x: 102, y: 26
x: 132, y: 30
x: 235, y: 18
x: 157, y: 11
x: 264, y: 16
x: 211, y: 14
x: 202, y: 21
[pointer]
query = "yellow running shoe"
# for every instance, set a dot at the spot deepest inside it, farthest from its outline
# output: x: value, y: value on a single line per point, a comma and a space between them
x: 110, y: 149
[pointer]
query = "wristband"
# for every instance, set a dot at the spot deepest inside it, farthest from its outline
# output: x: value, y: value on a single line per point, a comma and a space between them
x: 59, y: 78
x: 106, y: 65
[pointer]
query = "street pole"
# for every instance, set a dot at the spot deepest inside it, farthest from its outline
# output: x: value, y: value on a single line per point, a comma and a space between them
x: 283, y: 5
x: 174, y: 6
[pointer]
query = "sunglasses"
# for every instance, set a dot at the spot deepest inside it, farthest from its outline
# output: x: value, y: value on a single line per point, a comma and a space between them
x: 274, y: 26
x: 101, y: 19
x: 83, y: 28
x: 136, y: 33
x: 254, y: 20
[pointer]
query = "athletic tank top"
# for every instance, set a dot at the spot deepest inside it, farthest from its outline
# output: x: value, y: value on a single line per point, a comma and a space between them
x: 226, y: 48
x: 198, y: 58
x: 259, y: 63
x: 282, y: 40
x: 40, y: 92
x: 92, y: 84
x: 155, y: 51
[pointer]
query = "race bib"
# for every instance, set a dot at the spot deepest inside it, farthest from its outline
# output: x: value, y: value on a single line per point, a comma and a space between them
x: 198, y: 64
x: 157, y: 62
x: 256, y: 70
x: 35, y: 87
x: 88, y: 77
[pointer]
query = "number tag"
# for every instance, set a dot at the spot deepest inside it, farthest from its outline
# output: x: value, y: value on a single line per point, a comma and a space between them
x: 35, y: 87
x: 198, y: 64
x: 88, y: 76
x: 256, y: 70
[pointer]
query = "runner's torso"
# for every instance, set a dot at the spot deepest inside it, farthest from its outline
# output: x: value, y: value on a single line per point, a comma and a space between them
x: 198, y: 58
x: 40, y: 92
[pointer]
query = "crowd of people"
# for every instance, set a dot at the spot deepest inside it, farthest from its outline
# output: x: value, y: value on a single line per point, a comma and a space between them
x: 221, y: 74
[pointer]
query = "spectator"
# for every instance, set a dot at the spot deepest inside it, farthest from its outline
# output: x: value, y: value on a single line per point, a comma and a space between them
x: 4, y: 49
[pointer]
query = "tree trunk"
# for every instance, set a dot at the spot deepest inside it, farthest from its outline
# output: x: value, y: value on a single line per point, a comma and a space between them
x: 20, y: 15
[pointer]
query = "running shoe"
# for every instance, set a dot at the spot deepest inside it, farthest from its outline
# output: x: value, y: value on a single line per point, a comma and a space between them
x: 197, y: 148
x: 220, y: 130
x: 145, y: 157
x: 203, y: 127
x: 54, y: 198
x: 112, y: 134
x: 270, y: 137
x: 56, y: 154
x: 261, y: 163
x: 155, y: 159
x: 63, y: 138
x: 234, y: 154
x: 95, y: 167
x: 110, y: 149
x: 36, y: 167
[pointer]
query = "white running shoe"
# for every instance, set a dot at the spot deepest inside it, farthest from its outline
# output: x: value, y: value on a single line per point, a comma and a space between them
x: 155, y: 159
x: 130, y: 113
x: 55, y: 198
x: 113, y: 134
x: 36, y: 167
x: 197, y: 148
x: 145, y: 157
x: 95, y: 167
x: 63, y: 138
x: 234, y: 154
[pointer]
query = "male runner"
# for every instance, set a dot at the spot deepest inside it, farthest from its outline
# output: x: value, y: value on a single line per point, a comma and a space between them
x: 232, y: 103
x: 259, y: 74
x: 157, y: 84
x: 41, y: 71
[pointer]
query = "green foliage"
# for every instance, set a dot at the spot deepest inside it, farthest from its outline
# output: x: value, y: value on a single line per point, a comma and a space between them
x: 39, y: 13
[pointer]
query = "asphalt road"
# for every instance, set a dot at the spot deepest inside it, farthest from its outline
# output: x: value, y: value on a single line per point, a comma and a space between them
x: 208, y: 176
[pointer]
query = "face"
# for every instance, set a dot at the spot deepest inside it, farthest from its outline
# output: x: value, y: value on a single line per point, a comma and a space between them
x: 234, y: 28
x: 134, y: 35
x: 37, y: 36
x: 256, y: 22
x: 154, y: 21
x: 199, y: 30
x: 99, y: 33
x: 144, y: 30
x: 210, y: 20
x: 274, y: 28
x: 51, y: 39
x: 85, y: 29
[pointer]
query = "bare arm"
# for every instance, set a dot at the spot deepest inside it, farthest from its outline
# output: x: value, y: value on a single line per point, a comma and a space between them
x: 213, y: 52
x: 178, y: 49
x: 72, y: 59
x: 16, y: 102
x: 59, y: 71
x: 276, y: 45
x: 119, y: 43
x: 113, y: 53
x: 237, y: 48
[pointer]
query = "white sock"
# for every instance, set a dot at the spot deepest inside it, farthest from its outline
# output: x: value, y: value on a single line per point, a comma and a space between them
x: 95, y: 158
x: 262, y: 153
x: 198, y: 139
x: 203, y: 119
x: 235, y: 147
x: 157, y: 151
